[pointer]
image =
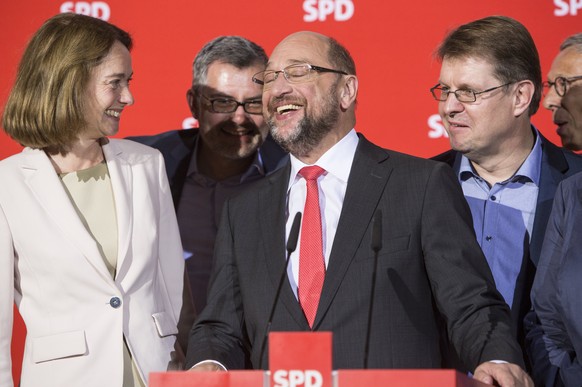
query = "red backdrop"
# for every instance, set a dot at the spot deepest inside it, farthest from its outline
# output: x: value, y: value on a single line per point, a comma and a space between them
x: 392, y: 43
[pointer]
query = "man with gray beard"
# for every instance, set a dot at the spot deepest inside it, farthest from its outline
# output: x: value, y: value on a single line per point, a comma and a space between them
x: 310, y: 130
x: 430, y: 270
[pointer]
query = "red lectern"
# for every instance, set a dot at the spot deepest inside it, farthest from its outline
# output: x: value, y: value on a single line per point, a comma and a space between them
x: 208, y: 379
x: 303, y: 359
x: 405, y: 378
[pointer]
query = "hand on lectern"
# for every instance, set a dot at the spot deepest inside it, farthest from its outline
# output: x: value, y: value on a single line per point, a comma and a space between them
x: 502, y: 374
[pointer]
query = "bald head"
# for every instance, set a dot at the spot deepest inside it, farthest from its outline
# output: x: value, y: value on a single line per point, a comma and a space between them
x: 307, y: 38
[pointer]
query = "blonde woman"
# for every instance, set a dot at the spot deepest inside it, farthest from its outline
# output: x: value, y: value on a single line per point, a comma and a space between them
x: 89, y: 244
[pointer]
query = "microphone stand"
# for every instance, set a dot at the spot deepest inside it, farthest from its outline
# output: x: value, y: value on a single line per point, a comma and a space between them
x: 376, y: 245
x: 291, y: 246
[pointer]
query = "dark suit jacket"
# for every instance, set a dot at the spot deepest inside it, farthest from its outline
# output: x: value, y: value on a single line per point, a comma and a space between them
x: 557, y: 164
x: 177, y: 147
x: 554, y: 342
x: 430, y: 267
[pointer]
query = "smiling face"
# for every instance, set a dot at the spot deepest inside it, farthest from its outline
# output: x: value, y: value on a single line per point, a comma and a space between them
x: 108, y: 93
x: 302, y: 115
x: 567, y: 110
x: 487, y: 126
x: 235, y: 135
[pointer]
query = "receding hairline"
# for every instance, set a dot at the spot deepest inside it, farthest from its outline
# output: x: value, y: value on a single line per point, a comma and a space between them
x: 305, y: 36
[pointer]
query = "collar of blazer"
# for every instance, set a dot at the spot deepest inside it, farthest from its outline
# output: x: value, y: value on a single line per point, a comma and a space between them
x: 42, y: 179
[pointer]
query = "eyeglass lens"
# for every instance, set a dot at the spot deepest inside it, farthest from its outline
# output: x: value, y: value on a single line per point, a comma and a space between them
x: 230, y: 105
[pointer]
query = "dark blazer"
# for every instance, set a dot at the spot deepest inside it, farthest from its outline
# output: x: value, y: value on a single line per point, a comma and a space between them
x: 557, y: 164
x: 177, y: 147
x: 554, y: 341
x: 430, y: 269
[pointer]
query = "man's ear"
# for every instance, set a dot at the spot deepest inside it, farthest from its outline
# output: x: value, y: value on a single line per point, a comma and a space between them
x: 348, y: 91
x: 524, y: 93
x: 193, y: 104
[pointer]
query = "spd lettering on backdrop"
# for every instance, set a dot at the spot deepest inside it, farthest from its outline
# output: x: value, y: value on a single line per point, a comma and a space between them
x: 391, y: 42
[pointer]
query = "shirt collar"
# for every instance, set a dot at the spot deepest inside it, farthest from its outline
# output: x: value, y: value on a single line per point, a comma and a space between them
x: 530, y: 168
x: 337, y: 161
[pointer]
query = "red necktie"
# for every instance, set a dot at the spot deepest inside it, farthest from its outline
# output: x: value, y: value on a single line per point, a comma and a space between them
x: 311, y: 261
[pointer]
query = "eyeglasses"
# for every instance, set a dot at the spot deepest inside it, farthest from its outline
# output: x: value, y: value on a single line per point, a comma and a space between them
x: 229, y: 105
x: 560, y: 84
x: 296, y: 73
x: 463, y: 95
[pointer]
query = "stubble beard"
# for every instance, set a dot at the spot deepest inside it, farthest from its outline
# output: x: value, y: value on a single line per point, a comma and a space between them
x: 310, y: 131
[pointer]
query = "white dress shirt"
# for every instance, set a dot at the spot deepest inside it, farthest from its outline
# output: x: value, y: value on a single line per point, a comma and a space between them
x: 332, y: 184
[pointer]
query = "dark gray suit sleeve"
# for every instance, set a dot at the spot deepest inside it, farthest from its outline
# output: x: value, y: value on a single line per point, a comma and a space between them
x: 477, y: 319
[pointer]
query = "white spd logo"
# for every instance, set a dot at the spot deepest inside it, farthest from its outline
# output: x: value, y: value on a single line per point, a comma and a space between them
x: 296, y: 378
x: 567, y: 7
x: 319, y: 10
x: 437, y: 129
x: 98, y: 9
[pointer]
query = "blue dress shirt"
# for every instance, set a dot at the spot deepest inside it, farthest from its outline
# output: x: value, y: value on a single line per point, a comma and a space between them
x: 503, y: 216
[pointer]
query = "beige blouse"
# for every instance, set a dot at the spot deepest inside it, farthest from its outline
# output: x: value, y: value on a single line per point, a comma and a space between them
x: 92, y: 196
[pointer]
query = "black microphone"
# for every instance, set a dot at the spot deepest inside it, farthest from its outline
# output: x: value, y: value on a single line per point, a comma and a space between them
x: 376, y: 246
x: 291, y: 246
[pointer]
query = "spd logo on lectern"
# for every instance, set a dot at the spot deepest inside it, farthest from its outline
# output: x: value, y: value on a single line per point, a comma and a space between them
x: 297, y: 378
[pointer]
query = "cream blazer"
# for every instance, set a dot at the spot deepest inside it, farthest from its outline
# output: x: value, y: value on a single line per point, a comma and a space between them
x: 76, y: 315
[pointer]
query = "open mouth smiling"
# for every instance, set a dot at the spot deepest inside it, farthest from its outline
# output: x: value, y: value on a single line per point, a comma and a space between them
x: 284, y: 109
x: 113, y: 113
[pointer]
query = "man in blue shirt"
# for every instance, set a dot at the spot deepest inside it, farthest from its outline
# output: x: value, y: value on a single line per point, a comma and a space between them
x: 488, y: 89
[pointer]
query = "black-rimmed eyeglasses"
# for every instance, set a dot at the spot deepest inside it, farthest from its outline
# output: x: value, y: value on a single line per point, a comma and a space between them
x: 296, y: 73
x: 560, y: 84
x: 463, y: 95
x: 229, y: 105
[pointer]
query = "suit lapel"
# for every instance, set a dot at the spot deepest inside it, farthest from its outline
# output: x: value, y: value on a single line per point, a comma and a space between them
x: 273, y: 201
x: 121, y: 182
x: 366, y: 185
x: 553, y: 170
x: 43, y: 181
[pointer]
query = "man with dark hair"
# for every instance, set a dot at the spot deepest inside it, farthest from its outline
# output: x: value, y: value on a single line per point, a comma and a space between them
x: 488, y: 89
x: 429, y: 270
x: 228, y: 151
x: 564, y: 95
